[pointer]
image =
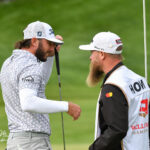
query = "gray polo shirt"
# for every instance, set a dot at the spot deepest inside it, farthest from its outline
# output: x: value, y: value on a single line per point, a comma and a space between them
x: 23, y: 70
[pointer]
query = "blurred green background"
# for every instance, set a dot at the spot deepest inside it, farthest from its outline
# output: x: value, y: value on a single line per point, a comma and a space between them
x: 77, y: 21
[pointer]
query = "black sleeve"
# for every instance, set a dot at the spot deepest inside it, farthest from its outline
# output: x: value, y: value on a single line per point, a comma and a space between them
x: 114, y: 112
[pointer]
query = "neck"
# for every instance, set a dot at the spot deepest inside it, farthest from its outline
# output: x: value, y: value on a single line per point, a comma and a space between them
x: 110, y: 65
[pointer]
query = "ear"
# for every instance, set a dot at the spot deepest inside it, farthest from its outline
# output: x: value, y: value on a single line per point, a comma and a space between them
x: 35, y: 42
x: 102, y: 55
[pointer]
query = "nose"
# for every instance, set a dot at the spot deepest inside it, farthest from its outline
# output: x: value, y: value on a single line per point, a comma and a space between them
x: 52, y: 48
x: 90, y: 58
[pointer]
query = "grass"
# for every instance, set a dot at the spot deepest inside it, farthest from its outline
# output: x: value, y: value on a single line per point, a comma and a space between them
x: 77, y: 21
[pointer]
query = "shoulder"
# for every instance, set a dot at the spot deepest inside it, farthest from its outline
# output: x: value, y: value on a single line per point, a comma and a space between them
x: 34, y: 69
x: 122, y: 77
x: 119, y: 75
x: 108, y: 88
x: 29, y: 68
x: 113, y: 93
x: 26, y: 63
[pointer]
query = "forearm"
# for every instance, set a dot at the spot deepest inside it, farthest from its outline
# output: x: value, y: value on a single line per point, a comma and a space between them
x: 110, y: 140
x: 31, y: 103
x: 47, y: 68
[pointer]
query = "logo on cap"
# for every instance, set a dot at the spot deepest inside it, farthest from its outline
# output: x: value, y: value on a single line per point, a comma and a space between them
x: 51, y: 31
x: 39, y: 33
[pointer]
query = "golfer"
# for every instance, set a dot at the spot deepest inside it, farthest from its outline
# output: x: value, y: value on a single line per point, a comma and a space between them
x: 23, y: 77
x: 122, y: 108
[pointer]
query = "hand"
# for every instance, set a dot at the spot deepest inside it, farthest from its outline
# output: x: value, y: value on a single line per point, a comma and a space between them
x: 59, y: 37
x: 74, y: 110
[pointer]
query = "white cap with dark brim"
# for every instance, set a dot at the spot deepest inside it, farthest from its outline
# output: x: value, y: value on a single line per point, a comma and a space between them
x: 40, y: 30
x: 107, y: 42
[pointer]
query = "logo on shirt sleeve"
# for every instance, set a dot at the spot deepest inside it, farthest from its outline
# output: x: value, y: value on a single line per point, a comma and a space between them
x: 109, y: 94
x: 28, y: 79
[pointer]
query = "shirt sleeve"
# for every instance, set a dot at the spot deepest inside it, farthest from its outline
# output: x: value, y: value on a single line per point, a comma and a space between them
x: 46, y: 68
x: 113, y: 117
x: 30, y: 102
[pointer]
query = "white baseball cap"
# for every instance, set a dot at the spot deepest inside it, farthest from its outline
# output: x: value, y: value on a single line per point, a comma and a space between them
x: 107, y: 42
x: 40, y: 30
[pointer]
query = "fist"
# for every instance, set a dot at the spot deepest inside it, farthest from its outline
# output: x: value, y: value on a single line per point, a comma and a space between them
x: 74, y: 110
x: 59, y: 37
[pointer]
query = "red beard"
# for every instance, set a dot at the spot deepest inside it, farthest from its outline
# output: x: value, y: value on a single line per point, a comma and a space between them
x: 95, y: 75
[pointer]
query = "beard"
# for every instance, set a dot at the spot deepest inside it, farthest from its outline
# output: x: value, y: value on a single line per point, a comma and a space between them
x: 39, y: 53
x: 95, y: 75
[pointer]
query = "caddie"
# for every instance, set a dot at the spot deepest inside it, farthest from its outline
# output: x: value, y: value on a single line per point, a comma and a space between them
x: 23, y: 77
x: 122, y: 118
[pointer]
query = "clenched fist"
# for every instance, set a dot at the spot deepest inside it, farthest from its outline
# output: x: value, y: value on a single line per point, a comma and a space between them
x: 74, y: 110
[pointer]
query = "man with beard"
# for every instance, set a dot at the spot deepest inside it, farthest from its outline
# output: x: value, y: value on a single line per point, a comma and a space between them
x: 24, y: 76
x: 122, y: 109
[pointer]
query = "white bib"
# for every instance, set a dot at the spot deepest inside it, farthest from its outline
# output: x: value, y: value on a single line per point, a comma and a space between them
x: 137, y: 93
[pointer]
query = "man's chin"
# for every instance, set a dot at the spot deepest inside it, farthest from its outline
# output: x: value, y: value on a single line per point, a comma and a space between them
x: 95, y: 75
x: 91, y: 83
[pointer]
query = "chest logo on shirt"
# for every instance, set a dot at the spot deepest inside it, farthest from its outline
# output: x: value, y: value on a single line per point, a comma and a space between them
x: 109, y: 94
x: 28, y: 79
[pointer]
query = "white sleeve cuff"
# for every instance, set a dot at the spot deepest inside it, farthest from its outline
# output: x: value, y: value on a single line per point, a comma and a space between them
x: 31, y: 103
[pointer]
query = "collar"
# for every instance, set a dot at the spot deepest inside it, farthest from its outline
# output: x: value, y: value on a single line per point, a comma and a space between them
x: 25, y: 53
x: 109, y: 73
